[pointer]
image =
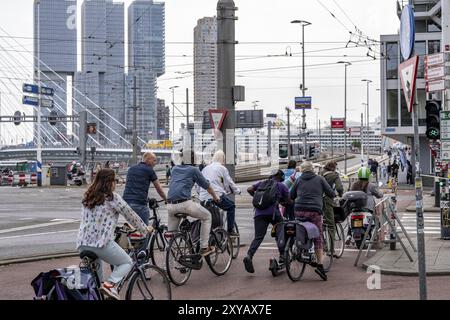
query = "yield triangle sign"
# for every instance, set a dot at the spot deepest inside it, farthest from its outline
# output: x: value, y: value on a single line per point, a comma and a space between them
x: 408, y: 75
x: 217, y: 116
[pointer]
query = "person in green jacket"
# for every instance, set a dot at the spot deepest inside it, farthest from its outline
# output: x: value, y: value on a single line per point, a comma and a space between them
x: 333, y: 179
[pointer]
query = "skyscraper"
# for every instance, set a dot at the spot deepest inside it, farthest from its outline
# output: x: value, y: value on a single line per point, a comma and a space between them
x: 55, y: 42
x: 163, y: 120
x: 146, y: 61
x: 101, y: 83
x: 205, y: 66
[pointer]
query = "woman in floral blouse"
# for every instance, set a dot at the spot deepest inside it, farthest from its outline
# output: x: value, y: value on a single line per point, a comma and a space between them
x: 99, y: 215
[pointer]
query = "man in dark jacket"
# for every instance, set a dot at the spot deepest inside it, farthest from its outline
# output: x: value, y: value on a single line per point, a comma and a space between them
x: 332, y: 177
x: 308, y: 194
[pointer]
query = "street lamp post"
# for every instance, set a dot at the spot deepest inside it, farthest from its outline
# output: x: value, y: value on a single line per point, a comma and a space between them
x: 39, y: 138
x: 303, y: 23
x: 173, y: 119
x: 346, y: 64
x: 317, y: 121
x: 367, y: 115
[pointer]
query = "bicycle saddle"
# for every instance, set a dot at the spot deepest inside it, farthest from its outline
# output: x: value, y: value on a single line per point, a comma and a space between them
x: 181, y: 215
x: 88, y: 254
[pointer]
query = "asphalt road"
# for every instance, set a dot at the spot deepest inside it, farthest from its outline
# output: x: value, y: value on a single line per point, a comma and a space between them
x: 43, y: 221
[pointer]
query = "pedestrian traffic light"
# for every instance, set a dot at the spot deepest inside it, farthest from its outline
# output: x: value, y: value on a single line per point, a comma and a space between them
x: 433, y: 108
x: 53, y: 116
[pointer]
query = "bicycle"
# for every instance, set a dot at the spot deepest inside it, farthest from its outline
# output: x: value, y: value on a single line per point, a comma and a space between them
x: 183, y: 251
x: 145, y: 281
x: 235, y: 239
x: 157, y: 244
x: 296, y: 258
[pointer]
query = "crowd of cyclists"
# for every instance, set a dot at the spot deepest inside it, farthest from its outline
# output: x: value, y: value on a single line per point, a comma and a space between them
x: 297, y: 192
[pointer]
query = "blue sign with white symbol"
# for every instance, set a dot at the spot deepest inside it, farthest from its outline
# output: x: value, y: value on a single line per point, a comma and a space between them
x: 303, y: 102
x: 407, y: 32
x: 32, y: 101
x: 30, y: 88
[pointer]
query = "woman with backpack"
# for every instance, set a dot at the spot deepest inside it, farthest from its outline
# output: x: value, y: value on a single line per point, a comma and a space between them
x: 308, y: 194
x: 266, y: 195
x: 100, y: 213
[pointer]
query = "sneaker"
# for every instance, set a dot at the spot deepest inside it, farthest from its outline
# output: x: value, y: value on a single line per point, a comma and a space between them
x: 248, y: 264
x: 206, y: 251
x: 281, y: 259
x: 319, y: 270
x: 110, y: 291
x: 348, y: 240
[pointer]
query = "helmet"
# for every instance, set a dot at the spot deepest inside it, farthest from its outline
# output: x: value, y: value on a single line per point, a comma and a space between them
x: 363, y: 173
x: 78, y: 164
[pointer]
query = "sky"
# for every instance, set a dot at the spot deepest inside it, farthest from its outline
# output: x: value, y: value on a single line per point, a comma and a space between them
x: 265, y: 33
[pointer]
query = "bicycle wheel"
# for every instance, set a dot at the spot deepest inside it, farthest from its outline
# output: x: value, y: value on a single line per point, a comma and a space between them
x: 149, y: 283
x: 339, y: 240
x: 177, y: 248
x: 157, y: 247
x: 294, y: 267
x: 327, y: 253
x: 220, y: 260
x: 236, y: 241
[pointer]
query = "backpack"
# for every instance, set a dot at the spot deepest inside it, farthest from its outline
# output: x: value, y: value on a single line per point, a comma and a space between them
x: 216, y: 217
x: 266, y: 195
x: 70, y: 283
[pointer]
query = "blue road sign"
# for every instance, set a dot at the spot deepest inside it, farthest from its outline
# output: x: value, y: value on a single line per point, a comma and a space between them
x: 303, y: 102
x: 407, y: 32
x: 47, y: 91
x: 30, y: 88
x: 32, y: 101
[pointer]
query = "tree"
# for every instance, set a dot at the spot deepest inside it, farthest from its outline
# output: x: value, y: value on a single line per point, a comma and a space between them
x: 356, y: 144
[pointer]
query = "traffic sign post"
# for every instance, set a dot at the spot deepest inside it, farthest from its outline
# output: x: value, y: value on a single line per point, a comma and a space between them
x: 31, y: 101
x: 408, y: 74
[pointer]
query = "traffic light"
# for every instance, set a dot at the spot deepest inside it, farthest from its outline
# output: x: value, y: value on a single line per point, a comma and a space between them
x: 433, y: 108
x: 17, y: 118
x: 52, y: 118
x: 312, y: 152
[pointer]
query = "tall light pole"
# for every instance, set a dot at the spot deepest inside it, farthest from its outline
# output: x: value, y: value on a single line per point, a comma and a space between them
x: 367, y: 115
x: 39, y: 139
x: 346, y: 64
x: 173, y: 118
x: 303, y: 23
x: 317, y: 120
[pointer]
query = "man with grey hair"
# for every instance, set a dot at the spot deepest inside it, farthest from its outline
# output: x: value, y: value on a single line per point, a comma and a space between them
x: 308, y: 193
x: 222, y: 183
x: 138, y: 183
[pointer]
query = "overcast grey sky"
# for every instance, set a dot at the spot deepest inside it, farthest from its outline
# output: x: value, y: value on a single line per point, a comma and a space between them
x: 264, y: 29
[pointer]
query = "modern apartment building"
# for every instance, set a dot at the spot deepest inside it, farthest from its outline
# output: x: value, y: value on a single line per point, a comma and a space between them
x: 55, y: 43
x: 163, y: 120
x: 205, y: 66
x: 146, y: 61
x: 101, y: 83
x: 396, y: 121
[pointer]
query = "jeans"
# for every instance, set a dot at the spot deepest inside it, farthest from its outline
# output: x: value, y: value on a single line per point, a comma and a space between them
x: 229, y: 206
x: 261, y: 224
x: 141, y: 210
x: 193, y: 210
x: 113, y: 254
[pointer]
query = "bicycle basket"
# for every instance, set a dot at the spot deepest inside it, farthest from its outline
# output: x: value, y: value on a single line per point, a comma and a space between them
x: 339, y: 214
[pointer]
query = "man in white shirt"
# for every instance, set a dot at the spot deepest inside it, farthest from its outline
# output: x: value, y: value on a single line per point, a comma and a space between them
x: 219, y: 177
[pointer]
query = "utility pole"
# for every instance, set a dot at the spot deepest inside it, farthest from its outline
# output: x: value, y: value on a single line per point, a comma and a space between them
x: 362, y: 139
x: 187, y: 120
x: 367, y: 115
x: 226, y: 43
x: 320, y: 139
x: 331, y: 130
x: 445, y: 44
x: 289, y: 133
x: 39, y: 139
x: 173, y: 120
x: 83, y: 136
x: 303, y: 87
x: 135, y: 107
